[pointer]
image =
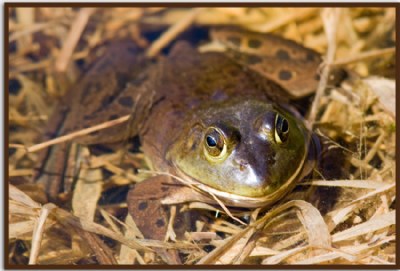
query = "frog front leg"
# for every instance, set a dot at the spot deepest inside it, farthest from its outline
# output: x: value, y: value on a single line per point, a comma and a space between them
x: 152, y: 217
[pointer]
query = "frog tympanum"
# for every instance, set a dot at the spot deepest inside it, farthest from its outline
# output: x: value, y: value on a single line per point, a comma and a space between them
x: 219, y: 121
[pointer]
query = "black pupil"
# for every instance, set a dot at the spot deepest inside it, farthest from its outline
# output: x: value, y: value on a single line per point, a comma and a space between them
x: 211, y: 142
x: 283, y: 124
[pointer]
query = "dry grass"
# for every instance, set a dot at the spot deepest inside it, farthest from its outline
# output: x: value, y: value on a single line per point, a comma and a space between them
x: 358, y: 118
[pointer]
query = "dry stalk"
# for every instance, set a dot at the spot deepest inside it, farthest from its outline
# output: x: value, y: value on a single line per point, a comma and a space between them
x: 284, y: 20
x: 330, y: 18
x: 38, y: 232
x: 72, y: 39
x: 364, y: 56
x: 172, y: 32
x: 79, y: 133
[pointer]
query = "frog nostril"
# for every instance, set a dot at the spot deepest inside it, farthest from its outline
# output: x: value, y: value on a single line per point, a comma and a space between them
x: 271, y: 158
x: 242, y: 164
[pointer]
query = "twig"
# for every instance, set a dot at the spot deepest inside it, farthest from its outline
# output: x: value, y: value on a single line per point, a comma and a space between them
x: 102, y: 252
x: 172, y: 32
x: 29, y: 30
x: 29, y: 67
x: 72, y: 39
x: 371, y: 153
x: 38, y: 232
x: 16, y: 146
x: 363, y: 56
x: 79, y: 133
x: 220, y: 203
x: 330, y: 18
x: 296, y: 15
x: 25, y: 17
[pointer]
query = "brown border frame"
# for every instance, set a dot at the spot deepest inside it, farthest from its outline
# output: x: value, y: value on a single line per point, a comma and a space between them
x: 7, y: 5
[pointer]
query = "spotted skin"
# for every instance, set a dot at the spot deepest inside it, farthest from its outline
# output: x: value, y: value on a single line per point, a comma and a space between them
x: 293, y: 66
x: 150, y: 215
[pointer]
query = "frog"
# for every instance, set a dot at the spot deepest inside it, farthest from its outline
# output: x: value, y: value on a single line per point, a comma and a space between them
x: 216, y: 126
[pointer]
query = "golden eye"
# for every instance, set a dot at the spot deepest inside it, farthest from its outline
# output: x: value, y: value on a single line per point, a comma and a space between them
x: 281, y: 129
x: 214, y: 144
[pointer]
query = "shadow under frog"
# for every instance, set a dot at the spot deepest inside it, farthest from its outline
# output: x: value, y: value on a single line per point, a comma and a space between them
x: 221, y: 122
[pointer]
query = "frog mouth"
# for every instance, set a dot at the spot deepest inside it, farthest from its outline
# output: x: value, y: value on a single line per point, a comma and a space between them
x: 233, y: 200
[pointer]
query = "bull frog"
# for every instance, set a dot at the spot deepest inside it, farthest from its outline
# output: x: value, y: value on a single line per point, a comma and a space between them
x: 222, y: 122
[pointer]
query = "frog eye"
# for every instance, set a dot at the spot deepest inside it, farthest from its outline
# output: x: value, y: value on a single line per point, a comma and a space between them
x: 281, y: 129
x: 215, y: 144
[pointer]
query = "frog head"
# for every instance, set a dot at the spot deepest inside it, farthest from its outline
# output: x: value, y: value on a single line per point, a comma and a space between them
x: 250, y: 149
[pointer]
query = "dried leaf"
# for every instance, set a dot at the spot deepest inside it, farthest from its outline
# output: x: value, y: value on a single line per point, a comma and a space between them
x: 385, y: 90
x: 376, y: 223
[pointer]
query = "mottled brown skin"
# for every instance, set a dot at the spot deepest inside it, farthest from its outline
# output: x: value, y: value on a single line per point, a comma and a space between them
x: 99, y: 96
x: 285, y: 62
x: 160, y: 98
